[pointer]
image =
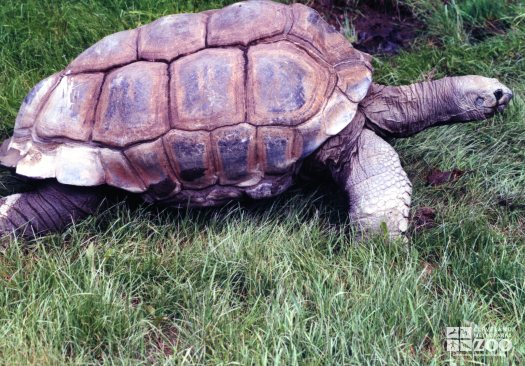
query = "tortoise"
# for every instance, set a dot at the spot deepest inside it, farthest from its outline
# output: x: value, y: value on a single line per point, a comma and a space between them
x: 196, y: 110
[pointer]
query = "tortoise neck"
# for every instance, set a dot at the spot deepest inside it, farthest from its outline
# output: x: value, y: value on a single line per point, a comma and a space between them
x: 408, y: 109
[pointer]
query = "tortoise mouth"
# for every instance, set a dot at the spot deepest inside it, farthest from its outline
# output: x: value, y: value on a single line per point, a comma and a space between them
x: 497, y: 109
x: 501, y: 107
x: 503, y: 99
x: 502, y: 102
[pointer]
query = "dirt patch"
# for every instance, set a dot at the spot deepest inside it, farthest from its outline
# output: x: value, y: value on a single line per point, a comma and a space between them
x: 161, y: 342
x: 423, y: 218
x: 511, y: 203
x: 376, y: 27
x: 384, y: 33
x: 437, y: 177
x: 490, y: 28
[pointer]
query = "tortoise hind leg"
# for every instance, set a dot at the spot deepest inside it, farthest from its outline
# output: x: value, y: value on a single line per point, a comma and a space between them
x: 50, y: 208
x: 377, y: 186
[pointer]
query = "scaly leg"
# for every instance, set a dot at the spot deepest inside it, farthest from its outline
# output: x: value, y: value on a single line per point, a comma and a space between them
x: 377, y: 186
x: 48, y: 209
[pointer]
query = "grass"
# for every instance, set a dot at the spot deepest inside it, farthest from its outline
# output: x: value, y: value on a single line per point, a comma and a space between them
x: 277, y: 282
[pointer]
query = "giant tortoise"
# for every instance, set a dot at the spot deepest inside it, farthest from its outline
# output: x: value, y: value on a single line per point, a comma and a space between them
x: 199, y: 109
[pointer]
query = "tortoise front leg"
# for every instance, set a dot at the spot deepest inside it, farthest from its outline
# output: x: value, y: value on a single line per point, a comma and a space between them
x: 50, y: 208
x: 377, y: 186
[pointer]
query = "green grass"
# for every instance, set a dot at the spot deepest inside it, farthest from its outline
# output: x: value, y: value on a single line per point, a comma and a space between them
x: 277, y: 282
x: 463, y: 20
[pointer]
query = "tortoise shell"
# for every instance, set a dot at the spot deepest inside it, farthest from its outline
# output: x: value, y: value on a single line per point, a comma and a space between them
x: 206, y: 102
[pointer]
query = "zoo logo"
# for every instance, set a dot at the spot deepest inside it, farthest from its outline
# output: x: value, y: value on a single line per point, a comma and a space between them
x: 492, y: 341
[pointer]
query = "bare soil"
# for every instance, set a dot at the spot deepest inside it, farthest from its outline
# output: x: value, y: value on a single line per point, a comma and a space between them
x: 380, y: 27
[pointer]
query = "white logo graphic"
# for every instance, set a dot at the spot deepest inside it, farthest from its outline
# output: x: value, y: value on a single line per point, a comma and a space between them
x: 494, y: 341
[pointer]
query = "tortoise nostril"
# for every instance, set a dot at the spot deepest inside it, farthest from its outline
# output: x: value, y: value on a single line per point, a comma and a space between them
x: 498, y: 94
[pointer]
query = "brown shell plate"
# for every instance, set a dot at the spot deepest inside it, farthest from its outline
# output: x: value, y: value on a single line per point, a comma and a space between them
x: 230, y: 98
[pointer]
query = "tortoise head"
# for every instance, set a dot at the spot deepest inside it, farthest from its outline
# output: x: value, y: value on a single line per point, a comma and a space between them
x: 479, y: 97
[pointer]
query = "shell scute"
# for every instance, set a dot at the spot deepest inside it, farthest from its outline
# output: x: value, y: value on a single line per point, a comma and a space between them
x: 172, y: 36
x: 285, y: 85
x: 243, y: 22
x: 150, y: 161
x: 354, y: 80
x: 276, y: 148
x: 79, y: 165
x: 336, y: 114
x: 39, y: 160
x: 34, y: 100
x: 191, y: 157
x: 133, y: 105
x: 113, y: 50
x: 235, y: 151
x: 69, y: 111
x: 309, y: 26
x: 208, y: 89
x: 119, y: 172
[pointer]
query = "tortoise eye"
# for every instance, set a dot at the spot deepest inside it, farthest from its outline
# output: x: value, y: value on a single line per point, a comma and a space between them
x: 479, y: 101
x: 498, y: 94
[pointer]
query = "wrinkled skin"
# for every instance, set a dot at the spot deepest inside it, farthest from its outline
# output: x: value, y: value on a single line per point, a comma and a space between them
x: 369, y: 169
x: 48, y: 209
x: 403, y: 111
x: 360, y: 161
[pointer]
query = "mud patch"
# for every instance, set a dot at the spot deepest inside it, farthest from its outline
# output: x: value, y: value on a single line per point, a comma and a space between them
x: 511, y: 203
x: 423, y: 218
x: 377, y: 27
x: 437, y: 177
x: 488, y: 29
